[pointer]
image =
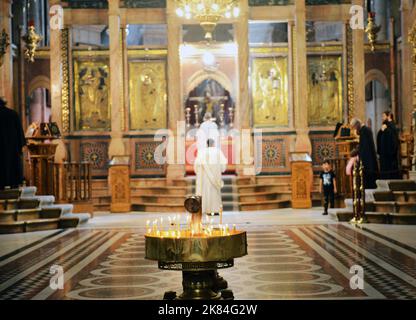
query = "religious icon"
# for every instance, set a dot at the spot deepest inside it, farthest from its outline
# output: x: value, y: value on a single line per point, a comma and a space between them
x: 209, y: 96
x: 91, y: 95
x: 325, y: 90
x: 270, y: 91
x: 148, y: 97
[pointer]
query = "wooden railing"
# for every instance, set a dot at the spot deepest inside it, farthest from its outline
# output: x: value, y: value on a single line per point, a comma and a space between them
x: 71, y: 182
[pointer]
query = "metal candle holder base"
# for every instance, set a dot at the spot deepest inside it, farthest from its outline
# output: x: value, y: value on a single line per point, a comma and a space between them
x: 202, y: 285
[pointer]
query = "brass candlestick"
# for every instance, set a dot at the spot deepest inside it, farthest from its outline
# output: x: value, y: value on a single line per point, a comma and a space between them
x: 231, y: 111
x: 222, y: 123
x: 188, y: 117
x: 196, y: 113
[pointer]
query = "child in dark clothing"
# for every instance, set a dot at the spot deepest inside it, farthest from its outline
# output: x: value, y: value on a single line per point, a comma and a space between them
x: 328, y: 186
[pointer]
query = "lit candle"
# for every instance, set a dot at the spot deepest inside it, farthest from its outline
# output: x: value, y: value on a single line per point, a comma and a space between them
x: 221, y: 214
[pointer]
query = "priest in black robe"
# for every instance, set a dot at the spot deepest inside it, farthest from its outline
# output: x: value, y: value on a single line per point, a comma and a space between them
x: 12, y: 140
x: 367, y: 153
x: 387, y: 148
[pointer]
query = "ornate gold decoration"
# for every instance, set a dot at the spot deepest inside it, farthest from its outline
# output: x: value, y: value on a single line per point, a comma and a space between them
x: 207, y: 12
x: 350, y: 74
x: 32, y: 40
x: 294, y: 67
x: 270, y: 91
x: 92, y: 101
x: 269, y: 50
x: 324, y: 90
x: 65, y: 80
x: 358, y: 194
x: 121, y: 57
x: 324, y: 48
x: 4, y: 44
x: 412, y: 40
x: 148, y: 95
x: 372, y: 30
x: 90, y: 53
x: 139, y: 53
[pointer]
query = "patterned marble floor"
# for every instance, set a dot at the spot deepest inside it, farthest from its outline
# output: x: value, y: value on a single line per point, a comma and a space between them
x: 310, y: 261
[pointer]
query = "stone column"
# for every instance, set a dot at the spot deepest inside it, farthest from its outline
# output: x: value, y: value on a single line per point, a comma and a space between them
x: 56, y: 77
x: 176, y: 147
x: 359, y: 69
x: 6, y: 70
x: 380, y: 7
x: 242, y: 106
x: 303, y: 143
x: 242, y: 112
x: 117, y: 145
x: 407, y: 73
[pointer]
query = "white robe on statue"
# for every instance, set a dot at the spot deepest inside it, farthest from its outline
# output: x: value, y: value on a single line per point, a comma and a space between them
x: 209, y: 165
x: 207, y: 130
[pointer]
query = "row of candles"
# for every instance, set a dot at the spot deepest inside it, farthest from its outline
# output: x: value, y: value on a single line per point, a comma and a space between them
x: 172, y: 227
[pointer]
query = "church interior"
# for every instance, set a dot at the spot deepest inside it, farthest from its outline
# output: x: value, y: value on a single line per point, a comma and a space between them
x: 111, y: 96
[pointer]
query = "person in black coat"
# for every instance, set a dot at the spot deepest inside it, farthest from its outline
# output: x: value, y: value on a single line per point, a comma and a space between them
x: 367, y: 153
x: 12, y: 140
x: 387, y: 148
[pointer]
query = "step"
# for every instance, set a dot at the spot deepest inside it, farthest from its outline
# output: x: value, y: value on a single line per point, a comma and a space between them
x: 82, y: 217
x: 404, y: 196
x: 68, y: 222
x: 396, y: 185
x: 264, y: 196
x: 99, y: 192
x: 10, y: 194
x: 345, y: 215
x: 224, y: 190
x: 139, y: 191
x: 264, y: 205
x: 65, y: 207
x: 101, y: 207
x: 243, y: 181
x: 28, y: 203
x: 405, y: 207
x: 12, y: 227
x: 43, y: 200
x: 163, y: 199
x: 41, y: 224
x: 9, y: 204
x: 403, y: 219
x: 50, y: 213
x: 383, y: 196
x: 7, y: 216
x: 253, y: 188
x: 157, y: 207
x: 384, y: 206
x: 27, y: 214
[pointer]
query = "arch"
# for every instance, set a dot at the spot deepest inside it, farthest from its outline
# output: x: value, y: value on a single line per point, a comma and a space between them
x: 376, y: 75
x: 201, y: 75
x: 39, y: 82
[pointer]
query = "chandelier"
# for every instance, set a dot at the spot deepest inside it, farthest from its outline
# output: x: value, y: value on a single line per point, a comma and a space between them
x: 207, y: 12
